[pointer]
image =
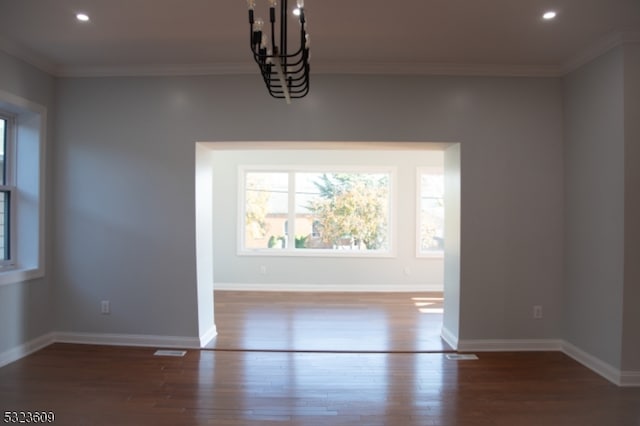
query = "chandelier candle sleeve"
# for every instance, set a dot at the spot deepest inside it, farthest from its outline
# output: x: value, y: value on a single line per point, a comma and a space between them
x: 285, y: 74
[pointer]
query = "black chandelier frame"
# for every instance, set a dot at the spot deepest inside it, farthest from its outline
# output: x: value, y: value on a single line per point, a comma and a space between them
x: 286, y: 75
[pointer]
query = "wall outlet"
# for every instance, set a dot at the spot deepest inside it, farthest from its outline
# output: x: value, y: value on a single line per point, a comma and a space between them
x: 105, y: 307
x: 537, y: 311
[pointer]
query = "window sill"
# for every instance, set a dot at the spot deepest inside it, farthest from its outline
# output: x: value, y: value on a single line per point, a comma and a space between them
x: 13, y: 276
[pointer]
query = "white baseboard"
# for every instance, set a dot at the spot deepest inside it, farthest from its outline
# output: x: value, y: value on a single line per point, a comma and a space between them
x: 41, y: 342
x: 208, y: 336
x: 606, y: 370
x: 386, y: 288
x: 614, y: 375
x: 14, y: 354
x: 509, y: 345
x: 128, y: 340
x: 449, y: 337
x: 629, y: 379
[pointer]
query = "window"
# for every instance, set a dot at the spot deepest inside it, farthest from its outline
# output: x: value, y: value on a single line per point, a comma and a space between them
x: 22, y: 129
x: 430, y: 211
x: 6, y: 189
x: 333, y: 212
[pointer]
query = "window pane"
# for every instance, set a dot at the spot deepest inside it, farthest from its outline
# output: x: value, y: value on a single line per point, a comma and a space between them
x: 4, y: 195
x: 431, y: 212
x: 307, y: 224
x: 3, y: 143
x: 342, y: 211
x: 4, y: 225
x: 266, y: 210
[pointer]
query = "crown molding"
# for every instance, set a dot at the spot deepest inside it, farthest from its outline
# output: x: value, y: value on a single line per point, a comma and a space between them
x: 366, y: 68
x: 602, y: 46
x: 361, y: 68
x: 159, y: 70
x: 443, y: 69
x: 23, y: 53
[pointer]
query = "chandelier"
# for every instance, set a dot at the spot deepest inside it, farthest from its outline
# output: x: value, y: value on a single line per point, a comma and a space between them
x: 285, y: 74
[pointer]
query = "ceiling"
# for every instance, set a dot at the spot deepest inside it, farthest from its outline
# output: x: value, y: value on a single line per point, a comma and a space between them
x: 488, y: 37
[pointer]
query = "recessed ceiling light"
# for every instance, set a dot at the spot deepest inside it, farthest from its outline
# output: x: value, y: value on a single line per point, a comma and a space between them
x: 82, y: 17
x: 549, y: 15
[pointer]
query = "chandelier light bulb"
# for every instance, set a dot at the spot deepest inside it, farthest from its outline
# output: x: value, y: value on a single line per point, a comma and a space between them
x: 258, y: 25
x: 273, y: 3
x: 300, y: 4
x: 296, y: 11
x: 251, y: 4
x: 549, y: 15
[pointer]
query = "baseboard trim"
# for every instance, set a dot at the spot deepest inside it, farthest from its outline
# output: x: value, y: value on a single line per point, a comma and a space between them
x: 607, y: 371
x: 449, y: 337
x: 208, y: 336
x: 383, y: 288
x: 614, y: 375
x: 604, y: 369
x: 629, y: 379
x: 43, y: 341
x: 20, y: 351
x: 509, y: 345
x: 181, y: 342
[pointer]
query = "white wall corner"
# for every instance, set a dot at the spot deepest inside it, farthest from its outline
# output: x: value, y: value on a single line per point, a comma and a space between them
x: 208, y: 336
x: 449, y: 337
x: 182, y: 342
x: 14, y: 354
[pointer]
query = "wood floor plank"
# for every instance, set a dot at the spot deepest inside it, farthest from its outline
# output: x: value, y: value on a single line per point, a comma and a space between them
x: 99, y: 385
x: 329, y: 321
x: 287, y: 373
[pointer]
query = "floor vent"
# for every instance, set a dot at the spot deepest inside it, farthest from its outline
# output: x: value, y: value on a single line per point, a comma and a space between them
x: 462, y: 357
x: 162, y: 352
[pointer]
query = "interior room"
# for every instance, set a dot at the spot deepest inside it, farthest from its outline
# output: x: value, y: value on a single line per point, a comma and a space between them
x: 132, y: 130
x: 388, y: 296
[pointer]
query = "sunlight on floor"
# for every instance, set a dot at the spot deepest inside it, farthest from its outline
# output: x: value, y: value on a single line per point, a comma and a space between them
x: 422, y: 304
x: 329, y: 321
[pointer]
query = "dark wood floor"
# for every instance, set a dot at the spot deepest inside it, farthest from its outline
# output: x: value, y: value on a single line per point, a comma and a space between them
x: 94, y: 385
x: 329, y: 321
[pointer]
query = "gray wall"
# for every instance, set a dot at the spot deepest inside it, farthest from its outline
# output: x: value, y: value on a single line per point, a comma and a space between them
x: 125, y: 186
x: 601, y: 193
x: 631, y: 313
x: 25, y: 308
x: 594, y: 217
x: 120, y: 193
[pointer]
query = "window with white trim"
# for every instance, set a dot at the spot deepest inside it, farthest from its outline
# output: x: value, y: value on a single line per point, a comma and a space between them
x: 6, y: 189
x: 309, y: 211
x: 430, y: 211
x: 22, y: 140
